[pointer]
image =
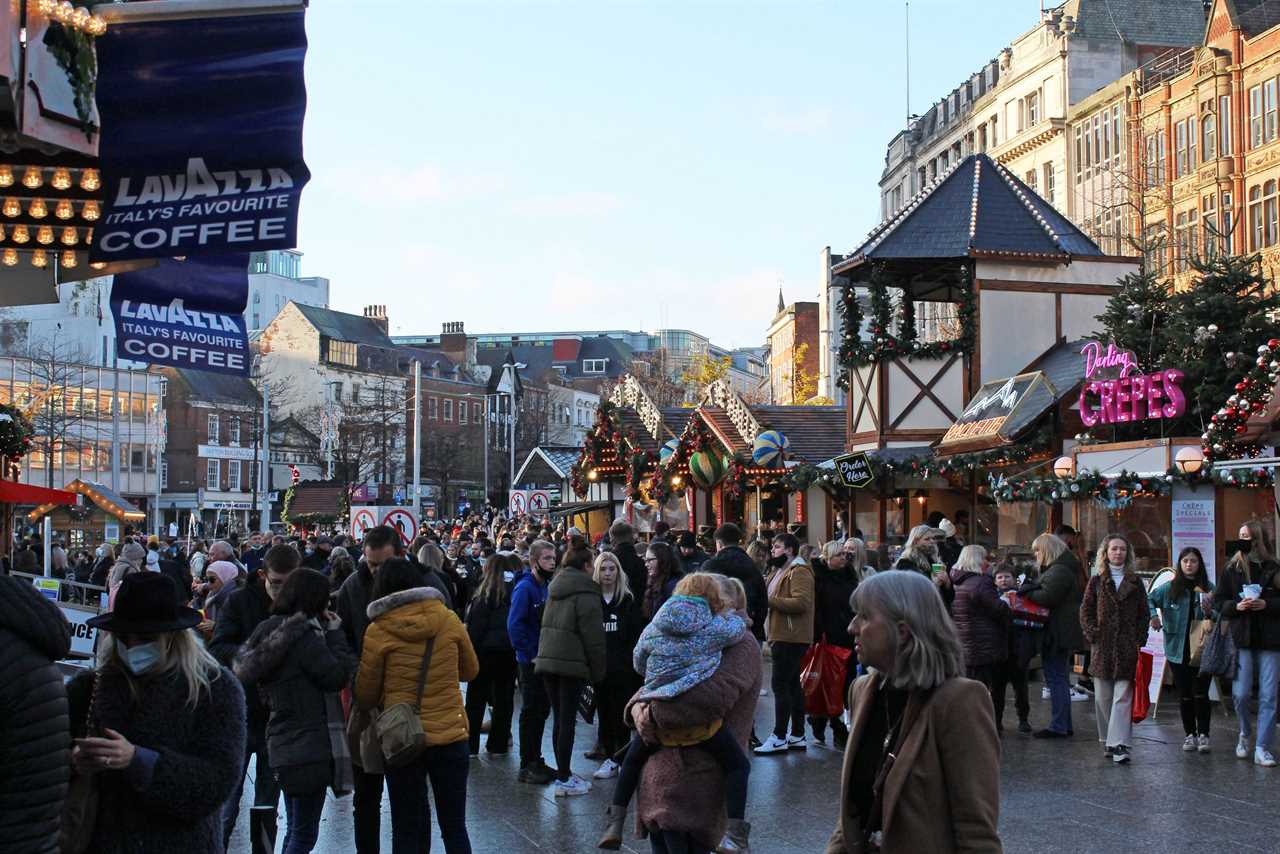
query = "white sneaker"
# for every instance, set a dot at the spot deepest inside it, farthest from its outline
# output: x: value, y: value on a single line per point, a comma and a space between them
x: 1189, y: 743
x: 575, y: 785
x: 1263, y: 758
x: 1078, y: 696
x: 1202, y: 744
x: 772, y: 744
x: 1044, y: 693
x: 1242, y: 748
x: 797, y: 742
x: 607, y: 769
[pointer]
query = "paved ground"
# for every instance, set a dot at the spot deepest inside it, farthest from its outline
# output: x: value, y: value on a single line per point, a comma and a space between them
x: 1055, y: 797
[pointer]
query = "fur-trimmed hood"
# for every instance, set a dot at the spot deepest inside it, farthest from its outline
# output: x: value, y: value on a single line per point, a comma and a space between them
x: 269, y: 644
x: 413, y: 615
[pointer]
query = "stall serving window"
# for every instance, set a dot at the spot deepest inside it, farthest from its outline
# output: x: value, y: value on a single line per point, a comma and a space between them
x: 1146, y: 522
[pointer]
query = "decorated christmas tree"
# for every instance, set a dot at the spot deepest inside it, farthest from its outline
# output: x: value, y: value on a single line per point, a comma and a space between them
x: 1137, y: 318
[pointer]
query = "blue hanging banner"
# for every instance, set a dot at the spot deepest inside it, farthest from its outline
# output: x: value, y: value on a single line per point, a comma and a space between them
x: 201, y: 148
x: 186, y: 314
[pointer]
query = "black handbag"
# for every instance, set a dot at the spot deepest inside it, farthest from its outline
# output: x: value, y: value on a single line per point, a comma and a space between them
x: 1219, y: 657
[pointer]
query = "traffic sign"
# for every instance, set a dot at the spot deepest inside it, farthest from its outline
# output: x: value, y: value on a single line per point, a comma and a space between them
x: 362, y: 519
x: 854, y: 470
x: 539, y: 501
x: 519, y: 501
x: 401, y: 519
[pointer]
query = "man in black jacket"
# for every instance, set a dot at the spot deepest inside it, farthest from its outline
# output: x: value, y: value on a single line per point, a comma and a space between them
x: 35, y: 736
x: 623, y: 537
x: 691, y: 557
x: 245, y: 609
x: 732, y: 561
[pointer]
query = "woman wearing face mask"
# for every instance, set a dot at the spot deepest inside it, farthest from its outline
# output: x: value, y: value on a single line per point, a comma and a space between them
x: 212, y: 594
x: 1182, y: 601
x: 1113, y: 618
x: 663, y: 572
x: 1249, y: 597
x: 161, y: 722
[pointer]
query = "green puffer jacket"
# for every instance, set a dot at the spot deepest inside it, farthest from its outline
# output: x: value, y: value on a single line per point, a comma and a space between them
x: 1061, y: 590
x: 572, y: 641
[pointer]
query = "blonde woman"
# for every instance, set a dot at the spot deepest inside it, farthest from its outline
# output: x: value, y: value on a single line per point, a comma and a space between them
x: 623, y: 623
x: 163, y: 724
x: 856, y: 552
x: 1059, y: 587
x: 1113, y: 617
x: 981, y: 617
x: 920, y: 554
x: 922, y: 734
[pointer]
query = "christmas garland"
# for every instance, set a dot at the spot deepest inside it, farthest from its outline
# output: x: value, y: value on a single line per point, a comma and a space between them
x: 286, y: 503
x: 1253, y: 394
x: 16, y: 433
x: 604, y: 445
x: 884, y: 342
x: 1117, y: 490
x: 73, y: 50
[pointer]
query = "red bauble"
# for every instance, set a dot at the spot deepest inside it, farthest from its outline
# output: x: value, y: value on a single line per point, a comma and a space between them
x: 945, y: 345
x: 1274, y: 343
x: 1240, y: 429
x: 1241, y: 386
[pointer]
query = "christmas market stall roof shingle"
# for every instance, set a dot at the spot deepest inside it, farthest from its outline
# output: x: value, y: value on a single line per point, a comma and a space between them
x: 815, y: 433
x: 977, y: 208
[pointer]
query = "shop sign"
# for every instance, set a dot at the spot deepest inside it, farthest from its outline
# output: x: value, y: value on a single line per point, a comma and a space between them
x: 201, y: 147
x: 1115, y: 393
x: 1194, y: 524
x: 185, y: 314
x: 225, y: 452
x: 991, y: 408
x: 854, y: 470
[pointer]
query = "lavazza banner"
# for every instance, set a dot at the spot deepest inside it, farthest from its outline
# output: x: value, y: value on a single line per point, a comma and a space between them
x: 201, y: 148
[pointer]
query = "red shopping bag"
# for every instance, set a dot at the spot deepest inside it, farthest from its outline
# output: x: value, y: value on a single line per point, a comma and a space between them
x: 822, y: 678
x: 1142, y: 687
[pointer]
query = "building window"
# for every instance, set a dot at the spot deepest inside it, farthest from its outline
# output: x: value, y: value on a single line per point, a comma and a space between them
x: 233, y: 475
x: 448, y: 409
x: 1185, y: 236
x: 1116, y: 135
x: 982, y: 139
x: 233, y: 431
x: 1183, y: 148
x: 341, y: 353
x: 213, y: 429
x: 1155, y: 146
x: 1209, y: 136
x: 1079, y: 155
x: 1224, y: 126
x: 462, y: 412
x: 1255, y: 117
x: 1269, y: 211
x: 164, y: 474
x: 1155, y: 248
x: 1228, y: 223
x: 597, y: 366
x: 1031, y: 179
x: 1048, y: 183
x: 211, y: 474
x: 1033, y: 109
x: 1209, y: 218
x: 1269, y: 110
x: 432, y: 408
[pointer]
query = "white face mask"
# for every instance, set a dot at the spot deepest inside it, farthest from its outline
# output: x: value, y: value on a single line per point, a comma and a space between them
x: 142, y: 658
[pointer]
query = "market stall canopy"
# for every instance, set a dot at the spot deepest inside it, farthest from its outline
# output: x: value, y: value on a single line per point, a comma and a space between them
x: 558, y: 460
x: 21, y: 493
x: 579, y: 507
x: 103, y: 497
x: 316, y: 497
x: 1005, y: 408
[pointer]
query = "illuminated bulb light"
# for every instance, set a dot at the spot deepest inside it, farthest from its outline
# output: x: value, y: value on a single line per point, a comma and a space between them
x: 90, y: 211
x: 66, y: 12
x: 1, y: 232
x: 64, y: 210
x: 96, y: 26
x: 44, y: 235
x: 38, y: 209
x: 6, y: 176
x: 98, y: 265
x: 81, y: 18
x: 61, y: 179
x: 69, y: 259
x: 10, y: 258
x: 70, y: 237
x: 32, y: 179
x: 90, y: 180
x: 40, y: 259
x: 12, y: 208
x: 20, y: 234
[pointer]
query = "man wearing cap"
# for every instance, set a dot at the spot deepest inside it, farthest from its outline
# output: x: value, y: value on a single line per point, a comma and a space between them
x: 318, y: 558
x: 691, y: 557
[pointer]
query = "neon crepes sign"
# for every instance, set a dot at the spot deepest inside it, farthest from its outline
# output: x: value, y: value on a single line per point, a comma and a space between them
x: 1116, y: 392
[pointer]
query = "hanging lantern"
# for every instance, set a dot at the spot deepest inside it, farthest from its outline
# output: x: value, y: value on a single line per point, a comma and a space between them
x: 64, y: 210
x: 21, y: 234
x: 90, y: 180
x: 90, y: 211
x: 10, y: 258
x: 69, y: 259
x: 61, y: 179
x: 32, y: 179
x: 44, y: 235
x: 40, y: 259
x: 6, y: 175
x: 37, y: 209
x: 70, y: 237
x: 707, y: 468
x: 12, y: 207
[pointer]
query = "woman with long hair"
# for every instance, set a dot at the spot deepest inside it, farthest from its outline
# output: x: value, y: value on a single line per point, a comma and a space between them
x: 622, y: 626
x: 1248, y: 596
x: 856, y: 553
x: 981, y: 617
x: 162, y: 723
x: 412, y: 628
x: 921, y: 554
x: 922, y: 734
x: 1113, y: 618
x: 1060, y: 588
x: 299, y: 661
x: 663, y: 568
x: 1174, y: 608
x: 495, y: 684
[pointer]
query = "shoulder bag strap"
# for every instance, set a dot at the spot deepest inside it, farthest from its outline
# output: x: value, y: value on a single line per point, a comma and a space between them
x: 422, y: 672
x: 893, y: 744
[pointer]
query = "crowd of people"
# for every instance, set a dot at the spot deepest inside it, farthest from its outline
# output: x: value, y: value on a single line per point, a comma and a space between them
x: 379, y: 668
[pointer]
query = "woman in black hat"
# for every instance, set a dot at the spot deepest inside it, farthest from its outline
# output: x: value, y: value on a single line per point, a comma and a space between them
x: 162, y: 725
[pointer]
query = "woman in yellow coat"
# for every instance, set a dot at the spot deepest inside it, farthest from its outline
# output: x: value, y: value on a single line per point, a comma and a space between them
x: 407, y: 619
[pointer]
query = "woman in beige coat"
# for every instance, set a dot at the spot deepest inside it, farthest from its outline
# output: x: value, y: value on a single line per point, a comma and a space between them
x: 790, y: 631
x: 922, y: 763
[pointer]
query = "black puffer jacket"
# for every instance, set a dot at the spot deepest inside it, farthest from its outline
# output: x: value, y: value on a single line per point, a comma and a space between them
x: 1251, y: 629
x: 633, y: 566
x: 1060, y: 588
x: 487, y: 625
x: 981, y: 617
x: 832, y: 613
x: 293, y: 663
x: 736, y: 563
x: 623, y: 623
x: 177, y: 808
x: 244, y: 610
x: 35, y: 734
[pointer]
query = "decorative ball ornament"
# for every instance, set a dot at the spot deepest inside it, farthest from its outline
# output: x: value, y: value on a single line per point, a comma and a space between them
x: 668, y: 450
x: 769, y: 448
x: 707, y: 468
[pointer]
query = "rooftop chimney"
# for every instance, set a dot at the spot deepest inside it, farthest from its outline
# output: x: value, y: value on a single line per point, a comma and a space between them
x: 378, y: 314
x: 453, y: 341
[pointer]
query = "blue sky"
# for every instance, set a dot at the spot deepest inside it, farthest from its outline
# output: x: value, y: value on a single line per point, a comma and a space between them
x: 609, y: 165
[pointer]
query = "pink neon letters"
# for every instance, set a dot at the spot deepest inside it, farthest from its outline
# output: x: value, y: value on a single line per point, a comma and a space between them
x: 1130, y: 396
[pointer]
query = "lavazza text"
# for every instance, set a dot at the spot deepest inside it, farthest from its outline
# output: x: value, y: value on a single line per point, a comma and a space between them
x: 189, y: 336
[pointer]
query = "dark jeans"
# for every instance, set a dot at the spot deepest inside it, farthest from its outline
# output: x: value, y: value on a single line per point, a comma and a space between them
x: 1006, y: 673
x: 788, y: 698
x: 611, y: 699
x: 1193, y: 698
x: 366, y: 808
x: 722, y: 746
x: 1055, y: 666
x: 534, y: 708
x: 447, y: 767
x: 303, y: 812
x: 496, y: 686
x: 565, y: 692
x: 984, y: 673
x: 266, y: 790
x: 669, y: 842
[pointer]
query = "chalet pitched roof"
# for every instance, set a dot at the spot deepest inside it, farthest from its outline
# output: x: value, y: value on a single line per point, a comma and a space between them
x: 978, y: 207
x: 724, y: 429
x: 815, y: 433
x: 341, y: 326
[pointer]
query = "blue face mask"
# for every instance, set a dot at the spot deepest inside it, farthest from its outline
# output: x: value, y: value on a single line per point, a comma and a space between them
x: 142, y: 658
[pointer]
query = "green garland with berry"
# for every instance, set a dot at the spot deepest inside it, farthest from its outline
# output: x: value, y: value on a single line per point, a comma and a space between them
x: 608, y: 436
x: 1253, y: 393
x: 893, y: 337
x: 1116, y: 490
x: 16, y: 433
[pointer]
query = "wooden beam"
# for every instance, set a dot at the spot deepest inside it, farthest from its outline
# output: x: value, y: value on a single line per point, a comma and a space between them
x: 1048, y: 287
